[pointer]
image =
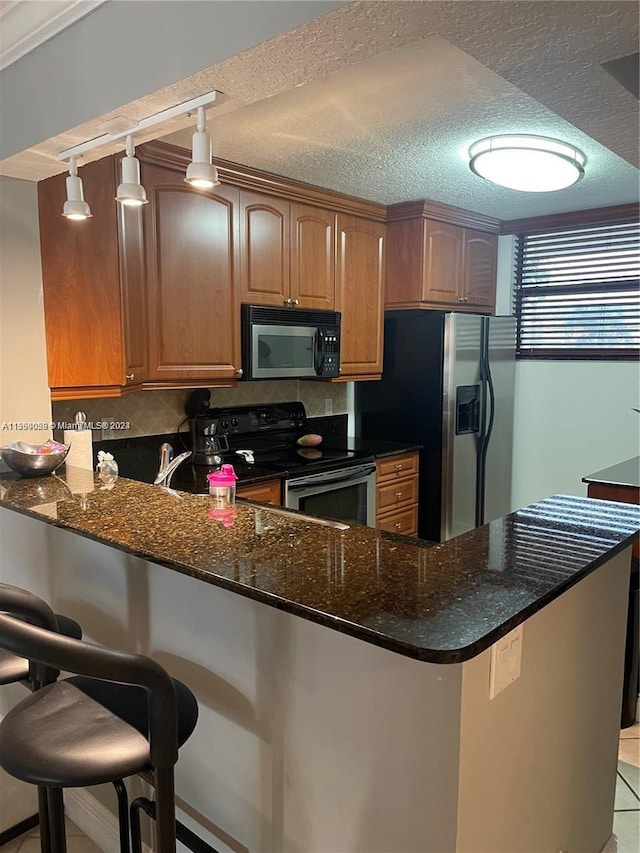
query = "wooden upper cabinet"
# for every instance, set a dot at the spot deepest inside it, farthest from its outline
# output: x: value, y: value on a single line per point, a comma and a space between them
x: 93, y: 287
x: 479, y: 278
x: 312, y: 281
x: 192, y: 262
x: 436, y: 262
x: 359, y: 295
x: 264, y: 249
x: 443, y: 250
x: 287, y: 252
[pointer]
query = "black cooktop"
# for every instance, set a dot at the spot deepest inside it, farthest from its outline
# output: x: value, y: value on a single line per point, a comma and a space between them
x: 271, y: 433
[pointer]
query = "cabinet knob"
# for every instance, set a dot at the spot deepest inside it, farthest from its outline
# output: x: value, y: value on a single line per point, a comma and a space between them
x: 399, y: 466
x: 398, y: 525
x: 239, y: 372
x: 287, y: 302
x: 130, y: 377
x: 460, y: 298
x: 294, y: 301
x: 398, y: 494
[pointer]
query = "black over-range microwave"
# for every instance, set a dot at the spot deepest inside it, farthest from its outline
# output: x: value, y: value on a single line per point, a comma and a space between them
x: 289, y: 343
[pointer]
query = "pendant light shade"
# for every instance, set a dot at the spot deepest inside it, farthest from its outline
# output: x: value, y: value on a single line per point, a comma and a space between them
x: 201, y: 172
x: 131, y: 191
x: 527, y: 163
x: 75, y: 207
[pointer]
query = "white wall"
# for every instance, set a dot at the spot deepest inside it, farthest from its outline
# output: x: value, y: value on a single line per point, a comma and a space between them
x: 572, y: 418
x: 124, y: 51
x: 24, y: 393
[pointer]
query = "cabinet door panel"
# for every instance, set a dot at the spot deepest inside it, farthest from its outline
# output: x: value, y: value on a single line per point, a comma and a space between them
x: 359, y: 294
x: 135, y: 309
x: 81, y: 286
x: 480, y: 257
x: 192, y: 261
x: 443, y: 263
x: 264, y: 248
x: 312, y: 256
x: 267, y: 493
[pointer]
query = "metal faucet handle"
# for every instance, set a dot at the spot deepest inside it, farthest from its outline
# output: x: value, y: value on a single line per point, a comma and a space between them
x: 165, y: 473
x: 166, y: 455
x: 247, y: 455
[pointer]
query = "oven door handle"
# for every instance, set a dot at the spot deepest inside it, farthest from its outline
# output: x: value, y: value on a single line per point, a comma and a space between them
x: 341, y: 476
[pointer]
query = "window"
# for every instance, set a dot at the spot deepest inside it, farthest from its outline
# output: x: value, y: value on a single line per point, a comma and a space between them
x: 577, y: 293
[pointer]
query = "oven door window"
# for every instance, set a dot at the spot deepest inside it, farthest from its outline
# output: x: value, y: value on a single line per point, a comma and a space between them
x: 352, y: 502
x: 283, y: 351
x: 347, y: 503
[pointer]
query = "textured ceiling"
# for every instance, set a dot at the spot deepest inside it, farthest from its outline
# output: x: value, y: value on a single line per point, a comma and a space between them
x: 381, y: 100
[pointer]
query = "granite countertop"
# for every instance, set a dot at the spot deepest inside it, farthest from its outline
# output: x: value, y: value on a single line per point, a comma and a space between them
x: 440, y: 603
x: 623, y: 474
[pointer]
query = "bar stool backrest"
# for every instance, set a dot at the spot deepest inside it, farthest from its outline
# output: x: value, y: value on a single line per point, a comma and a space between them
x: 50, y: 649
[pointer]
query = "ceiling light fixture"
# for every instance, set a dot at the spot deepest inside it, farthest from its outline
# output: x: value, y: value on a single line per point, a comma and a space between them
x: 75, y: 207
x: 201, y: 172
x: 527, y: 163
x: 131, y: 191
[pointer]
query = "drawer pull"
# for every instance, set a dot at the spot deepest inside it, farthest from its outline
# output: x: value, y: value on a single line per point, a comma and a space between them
x: 398, y: 525
x: 398, y: 494
x: 399, y: 467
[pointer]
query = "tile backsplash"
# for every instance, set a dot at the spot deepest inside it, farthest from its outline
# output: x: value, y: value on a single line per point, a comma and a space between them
x: 159, y: 412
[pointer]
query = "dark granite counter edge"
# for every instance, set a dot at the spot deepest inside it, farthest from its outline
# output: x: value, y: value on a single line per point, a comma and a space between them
x: 625, y: 474
x: 436, y: 656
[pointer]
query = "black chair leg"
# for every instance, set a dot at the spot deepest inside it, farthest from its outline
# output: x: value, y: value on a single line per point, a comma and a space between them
x: 123, y: 815
x: 136, y: 834
x: 19, y: 829
x: 45, y: 828
x: 183, y: 833
x: 56, y: 820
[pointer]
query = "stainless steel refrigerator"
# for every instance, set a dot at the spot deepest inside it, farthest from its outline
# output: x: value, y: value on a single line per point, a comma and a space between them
x: 448, y: 384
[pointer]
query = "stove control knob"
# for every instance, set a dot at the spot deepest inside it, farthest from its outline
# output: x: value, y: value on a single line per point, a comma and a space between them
x: 224, y: 424
x: 234, y: 422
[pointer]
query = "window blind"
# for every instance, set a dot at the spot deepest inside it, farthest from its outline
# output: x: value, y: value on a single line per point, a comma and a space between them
x: 577, y: 293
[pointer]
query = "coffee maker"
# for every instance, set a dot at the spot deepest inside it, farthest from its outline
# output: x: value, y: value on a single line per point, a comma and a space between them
x: 205, y: 443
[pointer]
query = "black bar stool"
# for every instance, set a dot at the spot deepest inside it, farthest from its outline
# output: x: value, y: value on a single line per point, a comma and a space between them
x: 15, y: 669
x: 121, y: 715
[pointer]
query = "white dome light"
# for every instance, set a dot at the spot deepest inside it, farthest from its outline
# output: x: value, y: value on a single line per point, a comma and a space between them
x: 130, y: 191
x: 527, y: 163
x: 75, y: 207
x: 201, y: 173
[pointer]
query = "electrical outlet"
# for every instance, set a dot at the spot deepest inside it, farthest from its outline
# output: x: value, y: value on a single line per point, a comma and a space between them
x: 505, y: 661
x: 107, y: 431
x: 328, y: 406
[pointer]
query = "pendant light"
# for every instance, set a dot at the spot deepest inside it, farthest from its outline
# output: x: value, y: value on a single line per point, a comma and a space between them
x: 131, y: 191
x: 527, y: 163
x: 75, y: 207
x: 201, y: 172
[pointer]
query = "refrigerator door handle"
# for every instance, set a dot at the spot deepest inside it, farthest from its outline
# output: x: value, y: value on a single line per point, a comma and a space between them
x: 488, y: 414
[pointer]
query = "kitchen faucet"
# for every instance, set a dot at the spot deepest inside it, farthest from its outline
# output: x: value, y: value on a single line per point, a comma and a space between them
x: 168, y: 465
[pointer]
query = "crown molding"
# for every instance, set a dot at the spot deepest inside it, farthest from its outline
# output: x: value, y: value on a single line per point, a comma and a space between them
x: 25, y: 26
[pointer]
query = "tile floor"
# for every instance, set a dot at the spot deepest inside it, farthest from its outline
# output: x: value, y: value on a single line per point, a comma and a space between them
x: 626, y: 819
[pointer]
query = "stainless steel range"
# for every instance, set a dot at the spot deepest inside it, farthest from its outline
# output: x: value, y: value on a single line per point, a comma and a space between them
x: 329, y: 480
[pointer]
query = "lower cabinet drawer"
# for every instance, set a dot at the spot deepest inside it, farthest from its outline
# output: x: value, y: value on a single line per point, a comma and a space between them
x: 403, y: 521
x: 267, y: 493
x: 390, y: 495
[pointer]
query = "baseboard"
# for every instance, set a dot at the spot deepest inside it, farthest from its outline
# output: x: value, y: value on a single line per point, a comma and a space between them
x: 95, y: 820
x: 611, y: 846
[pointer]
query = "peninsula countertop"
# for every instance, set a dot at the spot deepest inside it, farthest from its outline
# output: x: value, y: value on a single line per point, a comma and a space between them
x: 442, y: 603
x: 626, y: 474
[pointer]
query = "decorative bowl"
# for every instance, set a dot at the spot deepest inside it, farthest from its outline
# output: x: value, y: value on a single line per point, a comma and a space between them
x: 23, y: 458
